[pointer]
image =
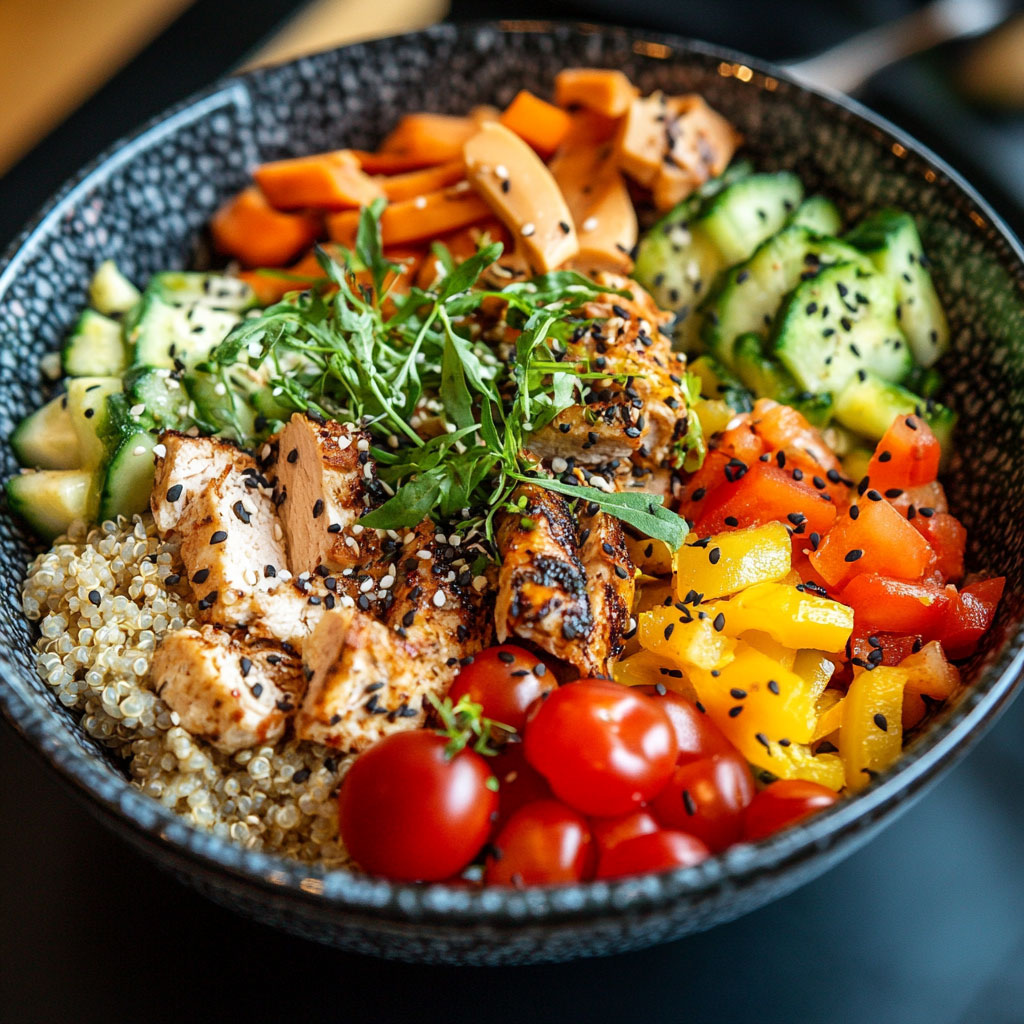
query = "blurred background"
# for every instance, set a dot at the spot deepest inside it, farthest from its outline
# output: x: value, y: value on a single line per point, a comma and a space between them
x: 926, y: 924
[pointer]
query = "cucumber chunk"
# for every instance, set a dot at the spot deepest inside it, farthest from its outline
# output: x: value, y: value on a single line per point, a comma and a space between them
x: 817, y: 214
x: 189, y: 288
x: 768, y: 378
x: 869, y: 404
x: 95, y: 347
x: 748, y: 297
x: 752, y: 209
x: 90, y: 415
x: 47, y: 438
x: 219, y: 406
x: 128, y: 478
x: 841, y: 321
x: 110, y: 291
x: 163, y: 399
x: 718, y: 382
x: 50, y: 500
x: 890, y: 240
x: 165, y: 334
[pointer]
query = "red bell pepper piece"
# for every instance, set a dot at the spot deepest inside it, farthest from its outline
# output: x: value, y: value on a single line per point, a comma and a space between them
x: 969, y: 615
x: 948, y: 538
x: 897, y: 606
x: 907, y: 455
x: 886, y: 648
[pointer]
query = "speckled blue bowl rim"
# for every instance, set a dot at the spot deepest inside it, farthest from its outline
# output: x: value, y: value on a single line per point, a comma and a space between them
x: 150, y: 824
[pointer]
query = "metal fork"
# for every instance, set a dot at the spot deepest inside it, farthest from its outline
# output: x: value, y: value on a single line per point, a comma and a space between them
x: 846, y: 67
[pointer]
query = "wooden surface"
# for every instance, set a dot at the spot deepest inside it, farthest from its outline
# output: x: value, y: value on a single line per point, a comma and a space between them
x: 56, y: 53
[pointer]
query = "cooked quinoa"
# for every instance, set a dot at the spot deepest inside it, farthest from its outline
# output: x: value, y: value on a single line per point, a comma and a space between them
x: 103, y: 598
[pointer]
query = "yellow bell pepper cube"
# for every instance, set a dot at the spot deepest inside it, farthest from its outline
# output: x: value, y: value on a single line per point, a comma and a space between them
x: 871, y: 737
x: 929, y: 674
x: 713, y: 415
x: 794, y: 618
x: 766, y: 645
x: 648, y: 669
x: 830, y: 714
x: 728, y: 562
x: 684, y: 638
x: 816, y: 667
x: 797, y: 761
x: 757, y: 702
x: 650, y: 556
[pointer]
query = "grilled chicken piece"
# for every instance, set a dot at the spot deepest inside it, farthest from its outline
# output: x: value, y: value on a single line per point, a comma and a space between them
x: 542, y: 585
x: 233, y: 691
x: 233, y: 546
x: 610, y: 579
x: 636, y: 420
x: 325, y: 482
x: 364, y: 682
x: 183, y: 473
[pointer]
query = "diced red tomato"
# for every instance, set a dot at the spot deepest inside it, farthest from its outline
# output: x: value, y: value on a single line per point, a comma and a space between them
x: 878, y: 648
x: 764, y: 493
x: 948, y: 538
x: 969, y: 615
x: 907, y: 456
x: 878, y: 540
x: 927, y: 496
x: 704, y: 482
x: 899, y: 606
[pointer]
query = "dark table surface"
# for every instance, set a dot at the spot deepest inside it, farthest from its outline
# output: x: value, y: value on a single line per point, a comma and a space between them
x: 926, y: 924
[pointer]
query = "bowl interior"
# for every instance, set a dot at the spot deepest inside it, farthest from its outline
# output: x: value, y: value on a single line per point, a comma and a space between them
x: 145, y: 204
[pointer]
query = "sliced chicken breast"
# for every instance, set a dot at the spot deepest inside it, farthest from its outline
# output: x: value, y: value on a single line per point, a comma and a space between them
x: 611, y: 580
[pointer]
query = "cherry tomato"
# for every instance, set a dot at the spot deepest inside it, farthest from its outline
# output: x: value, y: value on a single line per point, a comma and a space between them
x: 407, y: 811
x: 784, y: 803
x: 696, y: 735
x: 604, y: 748
x: 505, y: 680
x: 609, y: 832
x: 542, y: 843
x: 656, y: 851
x: 519, y: 783
x: 706, y: 798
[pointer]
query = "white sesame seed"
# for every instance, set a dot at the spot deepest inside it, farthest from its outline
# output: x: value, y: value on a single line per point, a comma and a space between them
x: 387, y: 581
x: 137, y: 410
x: 501, y: 172
x: 424, y: 554
x: 192, y: 431
x: 363, y: 445
x: 590, y: 224
x: 439, y: 599
x: 528, y: 229
x: 277, y: 391
x: 420, y: 202
x: 220, y: 388
x: 50, y: 365
x: 409, y: 538
x: 559, y: 465
x: 357, y: 529
x: 139, y: 449
x: 460, y: 186
x: 160, y: 450
x: 343, y: 443
x: 479, y: 582
x: 366, y: 585
x: 347, y: 601
x: 278, y: 532
x: 351, y: 542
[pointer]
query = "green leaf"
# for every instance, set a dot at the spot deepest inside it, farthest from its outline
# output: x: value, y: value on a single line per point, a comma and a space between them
x: 466, y: 274
x: 369, y: 249
x: 410, y: 504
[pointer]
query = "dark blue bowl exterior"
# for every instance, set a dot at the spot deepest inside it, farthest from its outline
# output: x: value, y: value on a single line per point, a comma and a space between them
x: 144, y: 204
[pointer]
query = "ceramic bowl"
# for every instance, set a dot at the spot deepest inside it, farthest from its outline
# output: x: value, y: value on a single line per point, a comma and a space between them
x: 144, y: 203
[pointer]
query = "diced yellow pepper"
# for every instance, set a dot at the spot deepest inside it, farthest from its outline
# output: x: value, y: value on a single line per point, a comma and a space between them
x: 653, y: 557
x: 766, y: 645
x: 730, y: 561
x: 830, y: 714
x: 817, y: 668
x: 928, y: 673
x: 684, y: 638
x: 794, y: 618
x: 649, y: 669
x: 798, y: 762
x: 651, y: 595
x: 756, y: 702
x: 871, y: 737
x: 713, y: 414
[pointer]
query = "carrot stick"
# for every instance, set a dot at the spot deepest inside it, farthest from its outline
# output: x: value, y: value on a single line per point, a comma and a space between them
x: 250, y: 229
x: 324, y: 181
x: 432, y: 138
x: 419, y: 183
x: 538, y: 123
x: 605, y: 90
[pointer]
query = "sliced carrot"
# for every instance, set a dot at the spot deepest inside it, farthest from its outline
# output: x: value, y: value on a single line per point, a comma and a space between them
x: 432, y: 138
x: 588, y: 128
x: 250, y: 229
x: 323, y: 181
x: 388, y: 163
x: 416, y: 220
x: 537, y: 122
x: 419, y: 183
x: 605, y: 90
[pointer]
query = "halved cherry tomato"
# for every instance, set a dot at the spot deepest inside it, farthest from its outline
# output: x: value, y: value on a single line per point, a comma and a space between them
x: 541, y: 844
x: 784, y: 803
x: 948, y: 538
x: 604, y: 748
x: 505, y: 680
x: 408, y: 811
x: 519, y: 783
x: 897, y: 606
x: 696, y: 735
x: 706, y: 798
x: 906, y: 456
x: 873, y: 539
x: 761, y: 493
x: 969, y: 615
x: 609, y: 832
x: 656, y: 851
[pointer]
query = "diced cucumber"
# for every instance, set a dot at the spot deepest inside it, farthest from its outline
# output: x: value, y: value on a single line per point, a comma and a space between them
x: 817, y: 409
x: 856, y: 462
x: 110, y: 291
x: 817, y: 214
x: 188, y: 288
x: 840, y: 439
x: 869, y: 404
x: 890, y: 239
x: 768, y: 378
x: 219, y: 406
x: 50, y: 500
x: 163, y: 399
x: 752, y: 209
x: 841, y: 321
x: 90, y: 415
x: 164, y: 334
x: 717, y: 382
x: 675, y: 263
x: 747, y: 297
x: 47, y: 438
x: 95, y: 347
x: 272, y: 409
x: 924, y: 382
x: 128, y: 479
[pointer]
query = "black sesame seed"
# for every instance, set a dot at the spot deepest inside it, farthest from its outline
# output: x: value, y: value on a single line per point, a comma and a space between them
x: 734, y: 711
x: 293, y: 455
x: 854, y: 511
x: 94, y: 597
x: 318, y: 508
x: 737, y: 694
x: 884, y: 456
x: 719, y: 622
x: 246, y: 666
x: 773, y: 686
x: 219, y: 537
x: 202, y: 576
x: 689, y: 806
x: 854, y: 554
x: 714, y: 555
x: 174, y: 493
x: 879, y: 720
